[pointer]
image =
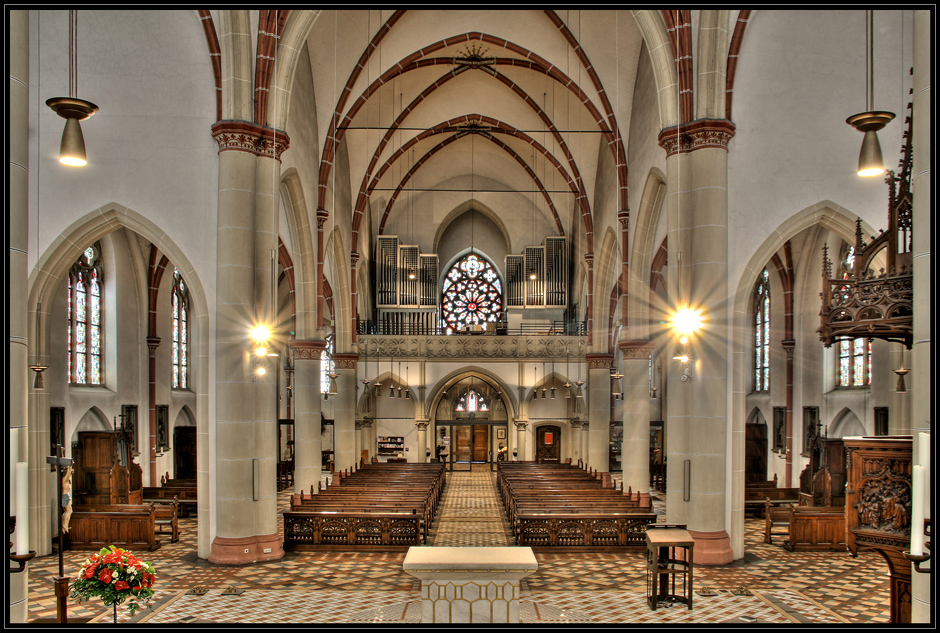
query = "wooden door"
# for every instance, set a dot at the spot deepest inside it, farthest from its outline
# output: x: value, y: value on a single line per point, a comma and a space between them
x: 463, y: 447
x: 755, y: 452
x: 480, y: 442
x: 547, y: 444
x: 184, y: 447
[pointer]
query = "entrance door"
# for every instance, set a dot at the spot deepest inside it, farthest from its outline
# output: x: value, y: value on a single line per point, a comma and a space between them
x: 464, y: 444
x: 480, y: 442
x: 755, y: 452
x: 184, y: 447
x: 547, y: 444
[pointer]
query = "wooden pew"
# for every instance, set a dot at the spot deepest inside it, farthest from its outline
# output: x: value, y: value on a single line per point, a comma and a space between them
x: 129, y: 526
x: 816, y: 528
x: 776, y: 517
x: 379, y: 507
x: 165, y: 514
x: 558, y: 506
x: 185, y: 496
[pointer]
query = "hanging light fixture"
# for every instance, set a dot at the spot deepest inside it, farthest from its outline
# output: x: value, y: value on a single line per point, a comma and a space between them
x: 71, y: 108
x: 535, y: 390
x: 399, y: 380
x: 408, y: 382
x: 553, y: 379
x: 580, y: 383
x: 391, y: 384
x: 870, y: 161
x: 615, y: 376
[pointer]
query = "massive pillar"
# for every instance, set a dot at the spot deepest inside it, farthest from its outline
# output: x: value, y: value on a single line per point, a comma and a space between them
x: 521, y: 425
x: 598, y: 405
x: 697, y: 429
x: 308, y: 449
x: 922, y: 374
x: 635, y: 449
x: 344, y: 411
x: 422, y: 426
x: 18, y: 289
x: 245, y: 435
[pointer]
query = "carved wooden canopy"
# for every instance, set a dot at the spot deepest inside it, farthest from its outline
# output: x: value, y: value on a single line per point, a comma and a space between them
x: 876, y: 304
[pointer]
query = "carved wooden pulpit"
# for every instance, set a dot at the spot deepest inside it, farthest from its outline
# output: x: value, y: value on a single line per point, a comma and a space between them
x: 878, y: 508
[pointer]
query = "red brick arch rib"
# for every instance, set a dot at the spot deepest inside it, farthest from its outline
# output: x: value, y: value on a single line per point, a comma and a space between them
x: 679, y: 27
x: 215, y: 58
x: 270, y: 27
x: 287, y: 274
x: 734, y: 51
x: 492, y: 126
x: 437, y: 148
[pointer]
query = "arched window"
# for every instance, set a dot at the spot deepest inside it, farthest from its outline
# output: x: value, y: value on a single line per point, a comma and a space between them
x: 472, y: 294
x: 855, y: 363
x: 762, y: 333
x: 84, y: 339
x: 471, y: 400
x: 180, y: 310
x: 326, y: 365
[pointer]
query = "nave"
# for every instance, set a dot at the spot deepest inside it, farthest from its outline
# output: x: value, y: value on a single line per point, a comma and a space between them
x: 592, y: 588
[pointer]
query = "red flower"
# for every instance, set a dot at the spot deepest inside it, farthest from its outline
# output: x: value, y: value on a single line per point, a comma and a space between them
x: 148, y: 579
x: 132, y: 560
x: 122, y: 585
x: 90, y: 570
x: 105, y: 576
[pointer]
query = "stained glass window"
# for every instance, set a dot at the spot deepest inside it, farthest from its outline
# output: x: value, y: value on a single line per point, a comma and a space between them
x: 180, y: 312
x: 855, y: 363
x: 326, y: 365
x: 84, y: 305
x: 762, y: 333
x: 471, y: 400
x: 472, y: 294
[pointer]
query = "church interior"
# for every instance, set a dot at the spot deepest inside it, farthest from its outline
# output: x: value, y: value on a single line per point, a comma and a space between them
x: 473, y: 258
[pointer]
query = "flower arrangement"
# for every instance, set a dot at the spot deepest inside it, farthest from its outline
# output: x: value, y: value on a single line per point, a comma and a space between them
x: 116, y: 576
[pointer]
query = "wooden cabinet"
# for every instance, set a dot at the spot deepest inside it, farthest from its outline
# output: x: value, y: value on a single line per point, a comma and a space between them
x: 100, y: 476
x: 822, y: 482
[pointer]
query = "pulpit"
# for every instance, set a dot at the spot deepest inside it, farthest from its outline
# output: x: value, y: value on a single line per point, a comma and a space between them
x: 878, y: 508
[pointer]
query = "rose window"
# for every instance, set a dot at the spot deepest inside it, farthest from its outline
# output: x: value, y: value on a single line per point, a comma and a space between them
x: 472, y: 294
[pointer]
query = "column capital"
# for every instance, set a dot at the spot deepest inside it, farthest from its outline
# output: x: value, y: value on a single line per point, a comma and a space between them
x: 715, y: 133
x: 636, y: 350
x: 624, y: 217
x: 589, y: 260
x: 788, y: 344
x: 307, y: 350
x: 345, y: 361
x: 244, y: 136
x: 322, y: 216
x: 153, y: 342
x: 521, y: 425
x: 599, y: 361
x: 422, y: 424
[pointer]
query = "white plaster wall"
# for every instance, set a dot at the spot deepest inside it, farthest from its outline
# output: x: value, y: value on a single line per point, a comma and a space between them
x: 800, y: 74
x: 149, y: 148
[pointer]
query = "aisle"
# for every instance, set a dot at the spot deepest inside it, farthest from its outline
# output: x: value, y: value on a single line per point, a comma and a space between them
x: 470, y: 513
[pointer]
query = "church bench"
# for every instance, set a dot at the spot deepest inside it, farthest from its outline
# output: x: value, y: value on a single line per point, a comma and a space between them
x: 313, y: 531
x: 127, y: 526
x: 583, y: 530
x: 185, y: 496
x: 757, y: 499
x: 776, y: 517
x: 165, y: 514
x: 816, y: 528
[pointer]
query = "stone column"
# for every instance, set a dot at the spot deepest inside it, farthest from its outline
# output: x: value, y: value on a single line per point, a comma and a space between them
x: 585, y: 441
x: 368, y: 440
x: 422, y: 426
x: 308, y: 449
x: 575, y: 425
x: 921, y: 383
x: 636, y: 416
x: 18, y: 226
x: 359, y: 442
x: 153, y: 342
x: 697, y: 230
x: 521, y: 425
x: 245, y: 434
x: 598, y: 449
x: 344, y: 411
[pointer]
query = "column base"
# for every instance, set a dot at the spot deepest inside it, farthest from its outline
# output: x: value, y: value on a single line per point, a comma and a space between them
x: 712, y: 548
x: 246, y: 550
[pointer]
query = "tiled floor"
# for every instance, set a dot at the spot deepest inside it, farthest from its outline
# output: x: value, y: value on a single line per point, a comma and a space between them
x: 351, y: 587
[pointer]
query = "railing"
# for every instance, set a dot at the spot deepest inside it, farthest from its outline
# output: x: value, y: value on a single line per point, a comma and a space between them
x: 556, y: 328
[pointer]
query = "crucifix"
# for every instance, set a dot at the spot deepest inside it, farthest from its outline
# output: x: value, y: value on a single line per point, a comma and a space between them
x: 60, y: 461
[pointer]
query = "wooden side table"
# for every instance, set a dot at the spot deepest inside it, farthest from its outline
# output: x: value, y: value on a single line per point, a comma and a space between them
x: 668, y: 565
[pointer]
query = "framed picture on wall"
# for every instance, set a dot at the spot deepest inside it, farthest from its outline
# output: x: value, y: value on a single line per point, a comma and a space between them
x: 501, y: 434
x: 163, y: 427
x: 780, y: 429
x: 129, y: 424
x: 810, y: 427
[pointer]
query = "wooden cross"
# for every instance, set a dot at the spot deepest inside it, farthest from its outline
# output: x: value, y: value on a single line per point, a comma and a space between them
x: 60, y: 461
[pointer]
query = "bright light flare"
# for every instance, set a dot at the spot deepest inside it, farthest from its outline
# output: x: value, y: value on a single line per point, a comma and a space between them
x: 687, y: 321
x: 260, y: 333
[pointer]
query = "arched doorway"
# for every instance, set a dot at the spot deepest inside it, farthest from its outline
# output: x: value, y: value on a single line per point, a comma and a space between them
x: 548, y: 444
x: 472, y: 424
x: 755, y: 448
